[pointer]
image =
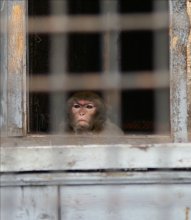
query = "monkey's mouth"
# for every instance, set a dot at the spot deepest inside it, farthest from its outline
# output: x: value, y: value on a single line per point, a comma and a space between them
x: 82, y: 121
x: 82, y: 125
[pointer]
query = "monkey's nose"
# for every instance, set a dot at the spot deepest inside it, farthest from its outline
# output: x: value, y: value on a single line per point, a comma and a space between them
x: 82, y: 112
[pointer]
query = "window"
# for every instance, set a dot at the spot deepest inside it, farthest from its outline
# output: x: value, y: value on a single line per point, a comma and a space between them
x: 124, y: 57
x: 115, y: 59
x: 47, y: 50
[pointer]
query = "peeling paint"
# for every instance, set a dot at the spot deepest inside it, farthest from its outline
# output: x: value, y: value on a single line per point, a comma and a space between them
x: 189, y: 68
x: 174, y: 41
x: 16, y: 67
x: 2, y: 4
x: 187, y: 213
x: 16, y: 39
x: 179, y: 33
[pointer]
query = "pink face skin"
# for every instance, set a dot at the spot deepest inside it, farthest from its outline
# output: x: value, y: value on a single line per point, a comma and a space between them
x: 83, y: 111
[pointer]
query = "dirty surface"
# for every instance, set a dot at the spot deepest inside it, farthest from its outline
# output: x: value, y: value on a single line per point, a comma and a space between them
x: 179, y: 32
x: 14, y: 67
x: 189, y: 69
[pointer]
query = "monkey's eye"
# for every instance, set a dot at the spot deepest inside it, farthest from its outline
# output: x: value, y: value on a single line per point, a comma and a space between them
x: 89, y: 106
x: 76, y: 106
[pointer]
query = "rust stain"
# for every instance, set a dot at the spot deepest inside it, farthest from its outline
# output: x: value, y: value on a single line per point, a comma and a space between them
x: 16, y: 40
x: 177, y: 45
x: 187, y: 213
x: 174, y: 42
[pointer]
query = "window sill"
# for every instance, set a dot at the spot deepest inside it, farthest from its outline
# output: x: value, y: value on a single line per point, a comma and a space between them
x: 58, y: 153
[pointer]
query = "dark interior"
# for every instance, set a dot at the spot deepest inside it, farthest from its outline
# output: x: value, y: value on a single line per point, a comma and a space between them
x: 84, y: 55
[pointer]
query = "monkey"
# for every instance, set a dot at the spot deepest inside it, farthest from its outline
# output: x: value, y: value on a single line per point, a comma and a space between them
x: 86, y: 113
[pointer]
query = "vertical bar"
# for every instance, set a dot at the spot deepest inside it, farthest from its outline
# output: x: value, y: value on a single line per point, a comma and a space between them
x: 58, y: 60
x: 179, y: 31
x: 111, y: 60
x: 14, y: 69
x: 161, y: 67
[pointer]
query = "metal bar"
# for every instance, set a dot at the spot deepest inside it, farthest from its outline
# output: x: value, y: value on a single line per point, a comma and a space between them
x: 94, y: 81
x: 64, y: 24
x: 58, y: 61
x: 160, y: 51
x: 110, y: 56
x: 179, y: 31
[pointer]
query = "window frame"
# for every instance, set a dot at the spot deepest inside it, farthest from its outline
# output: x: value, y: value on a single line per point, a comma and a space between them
x: 14, y: 101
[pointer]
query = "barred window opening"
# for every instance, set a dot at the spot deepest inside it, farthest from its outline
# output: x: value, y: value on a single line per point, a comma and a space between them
x: 133, y: 54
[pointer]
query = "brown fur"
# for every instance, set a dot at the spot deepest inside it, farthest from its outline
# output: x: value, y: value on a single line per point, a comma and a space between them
x: 100, y: 123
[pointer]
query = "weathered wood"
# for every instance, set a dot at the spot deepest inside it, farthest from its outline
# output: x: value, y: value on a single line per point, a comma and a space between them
x: 112, y: 201
x: 96, y: 178
x: 179, y: 31
x: 29, y: 203
x: 126, y: 202
x: 13, y: 44
x: 189, y: 69
x: 91, y: 157
x: 3, y: 68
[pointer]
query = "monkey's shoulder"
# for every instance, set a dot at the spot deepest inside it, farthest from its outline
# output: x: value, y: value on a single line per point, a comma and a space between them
x: 111, y: 128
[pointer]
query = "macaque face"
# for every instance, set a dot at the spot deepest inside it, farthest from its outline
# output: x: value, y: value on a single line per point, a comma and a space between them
x: 83, y: 112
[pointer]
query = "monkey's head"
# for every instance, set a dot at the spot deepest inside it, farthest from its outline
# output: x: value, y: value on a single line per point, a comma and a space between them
x: 86, y: 112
